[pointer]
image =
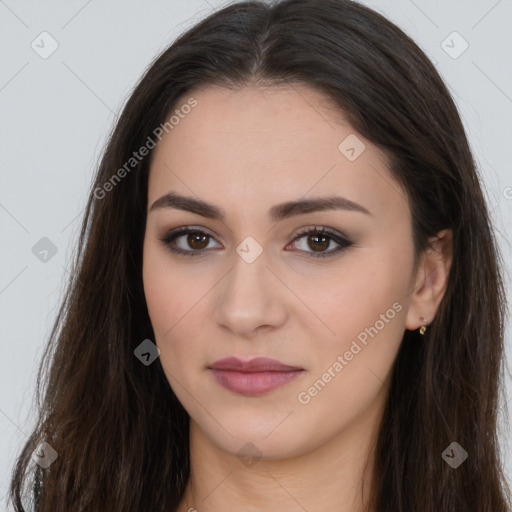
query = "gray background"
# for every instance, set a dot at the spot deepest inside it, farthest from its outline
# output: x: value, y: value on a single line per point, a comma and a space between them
x: 56, y: 114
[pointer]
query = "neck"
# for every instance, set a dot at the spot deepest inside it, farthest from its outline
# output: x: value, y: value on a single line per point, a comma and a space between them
x: 337, y: 471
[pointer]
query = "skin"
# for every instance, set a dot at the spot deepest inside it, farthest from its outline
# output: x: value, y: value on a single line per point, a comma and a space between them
x: 246, y: 151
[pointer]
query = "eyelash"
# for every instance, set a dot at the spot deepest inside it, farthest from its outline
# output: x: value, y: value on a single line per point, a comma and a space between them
x: 343, y: 242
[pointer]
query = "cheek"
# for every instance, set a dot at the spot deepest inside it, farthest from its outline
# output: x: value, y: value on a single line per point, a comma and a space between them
x: 363, y: 312
x: 176, y: 311
x: 367, y: 315
x: 162, y: 303
x: 169, y: 293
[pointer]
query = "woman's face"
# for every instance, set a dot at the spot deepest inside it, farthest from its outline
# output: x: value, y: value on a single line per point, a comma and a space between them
x: 333, y: 306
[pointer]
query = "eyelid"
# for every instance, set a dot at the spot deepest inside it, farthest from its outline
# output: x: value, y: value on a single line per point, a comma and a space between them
x: 322, y: 230
x: 333, y: 235
x: 171, y: 235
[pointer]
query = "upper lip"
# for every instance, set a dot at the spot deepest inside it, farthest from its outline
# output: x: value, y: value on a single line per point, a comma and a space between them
x: 258, y: 364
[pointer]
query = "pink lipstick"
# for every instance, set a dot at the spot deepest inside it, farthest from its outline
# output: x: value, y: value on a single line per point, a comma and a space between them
x: 253, y: 377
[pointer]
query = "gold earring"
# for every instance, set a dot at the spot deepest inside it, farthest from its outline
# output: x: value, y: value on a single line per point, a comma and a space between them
x: 423, y: 328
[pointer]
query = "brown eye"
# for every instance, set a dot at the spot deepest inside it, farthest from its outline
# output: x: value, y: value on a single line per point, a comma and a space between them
x: 187, y: 241
x: 197, y: 240
x: 193, y: 242
x: 319, y: 239
x: 318, y: 242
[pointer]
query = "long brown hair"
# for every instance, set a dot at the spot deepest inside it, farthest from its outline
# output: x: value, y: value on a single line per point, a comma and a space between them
x: 119, y: 431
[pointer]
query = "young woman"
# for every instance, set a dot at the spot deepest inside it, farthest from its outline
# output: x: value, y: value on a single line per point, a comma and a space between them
x: 287, y: 293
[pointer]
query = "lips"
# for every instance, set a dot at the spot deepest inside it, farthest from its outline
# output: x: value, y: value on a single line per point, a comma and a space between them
x: 258, y: 364
x: 254, y: 377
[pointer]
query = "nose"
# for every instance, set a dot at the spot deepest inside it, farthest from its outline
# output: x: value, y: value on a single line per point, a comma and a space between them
x: 251, y: 298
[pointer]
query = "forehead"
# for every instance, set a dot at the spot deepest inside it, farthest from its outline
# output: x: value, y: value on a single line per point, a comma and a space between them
x: 284, y: 115
x: 257, y: 146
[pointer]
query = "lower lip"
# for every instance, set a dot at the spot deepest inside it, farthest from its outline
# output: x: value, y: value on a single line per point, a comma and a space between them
x: 253, y: 383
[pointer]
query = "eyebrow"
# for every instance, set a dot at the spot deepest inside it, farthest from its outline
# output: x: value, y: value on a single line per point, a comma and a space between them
x: 276, y: 213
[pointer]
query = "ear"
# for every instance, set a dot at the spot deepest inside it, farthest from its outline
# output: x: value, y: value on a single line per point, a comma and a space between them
x: 430, y: 280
